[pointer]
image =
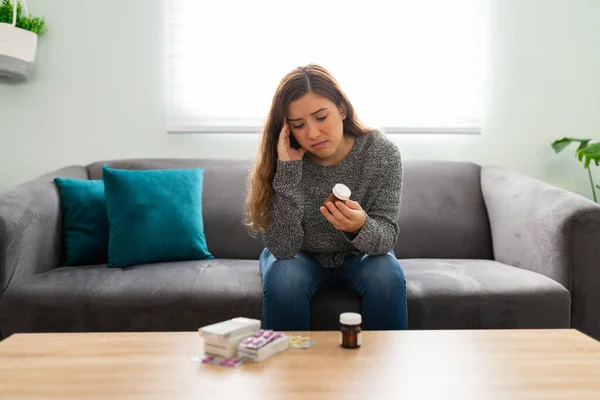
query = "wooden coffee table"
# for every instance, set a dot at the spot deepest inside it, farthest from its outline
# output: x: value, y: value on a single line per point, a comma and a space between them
x: 473, y: 364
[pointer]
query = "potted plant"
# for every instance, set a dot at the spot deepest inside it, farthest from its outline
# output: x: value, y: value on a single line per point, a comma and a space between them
x: 585, y: 153
x: 19, y: 32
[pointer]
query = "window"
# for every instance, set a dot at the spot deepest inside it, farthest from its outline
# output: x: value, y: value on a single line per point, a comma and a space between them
x: 406, y: 65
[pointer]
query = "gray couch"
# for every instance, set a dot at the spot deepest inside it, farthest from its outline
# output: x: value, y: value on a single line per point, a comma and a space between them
x: 482, y: 248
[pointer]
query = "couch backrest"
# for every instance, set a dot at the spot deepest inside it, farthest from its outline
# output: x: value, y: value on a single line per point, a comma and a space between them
x: 442, y: 216
x: 223, y: 197
x: 443, y: 213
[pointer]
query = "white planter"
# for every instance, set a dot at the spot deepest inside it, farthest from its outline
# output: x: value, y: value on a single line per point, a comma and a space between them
x: 17, y: 52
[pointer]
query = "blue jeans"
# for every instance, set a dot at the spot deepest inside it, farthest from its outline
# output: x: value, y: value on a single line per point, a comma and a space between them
x: 288, y: 286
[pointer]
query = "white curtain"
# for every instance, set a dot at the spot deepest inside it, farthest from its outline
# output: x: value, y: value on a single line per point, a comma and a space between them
x: 405, y: 64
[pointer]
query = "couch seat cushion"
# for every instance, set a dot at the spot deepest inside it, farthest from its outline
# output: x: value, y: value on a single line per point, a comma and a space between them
x: 465, y: 294
x: 157, y: 297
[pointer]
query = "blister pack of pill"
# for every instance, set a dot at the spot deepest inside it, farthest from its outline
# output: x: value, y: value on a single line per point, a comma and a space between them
x: 231, y: 362
x: 301, y: 342
x: 259, y: 339
x: 262, y: 345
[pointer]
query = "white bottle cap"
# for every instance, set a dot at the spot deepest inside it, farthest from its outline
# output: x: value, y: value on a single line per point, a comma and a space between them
x: 350, y: 318
x: 341, y: 191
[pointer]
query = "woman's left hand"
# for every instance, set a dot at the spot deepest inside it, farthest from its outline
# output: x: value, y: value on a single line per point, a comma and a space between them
x: 348, y: 217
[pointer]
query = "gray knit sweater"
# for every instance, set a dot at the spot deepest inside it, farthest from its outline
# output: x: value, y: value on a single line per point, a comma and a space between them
x: 373, y: 172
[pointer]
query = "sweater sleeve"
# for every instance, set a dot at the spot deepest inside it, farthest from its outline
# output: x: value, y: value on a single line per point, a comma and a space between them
x: 380, y: 231
x: 284, y: 235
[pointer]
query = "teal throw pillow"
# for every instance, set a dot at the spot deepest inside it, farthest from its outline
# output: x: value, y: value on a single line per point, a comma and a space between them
x: 84, y: 221
x: 154, y: 216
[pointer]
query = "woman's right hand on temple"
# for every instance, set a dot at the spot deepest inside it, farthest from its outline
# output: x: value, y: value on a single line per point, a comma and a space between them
x: 284, y: 151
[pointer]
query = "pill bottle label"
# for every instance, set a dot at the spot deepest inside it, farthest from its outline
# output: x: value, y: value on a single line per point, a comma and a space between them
x: 359, y: 339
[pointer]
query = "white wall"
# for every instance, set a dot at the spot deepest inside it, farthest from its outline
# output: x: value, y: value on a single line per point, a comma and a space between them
x: 99, y: 93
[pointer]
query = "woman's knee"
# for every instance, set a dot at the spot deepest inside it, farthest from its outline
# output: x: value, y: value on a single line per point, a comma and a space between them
x: 288, y: 278
x: 385, y: 272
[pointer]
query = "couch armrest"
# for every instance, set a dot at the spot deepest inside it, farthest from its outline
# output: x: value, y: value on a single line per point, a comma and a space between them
x: 551, y: 231
x: 30, y: 240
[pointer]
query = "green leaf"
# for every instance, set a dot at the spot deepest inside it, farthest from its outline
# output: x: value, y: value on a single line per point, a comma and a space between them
x: 561, y: 144
x: 589, y: 153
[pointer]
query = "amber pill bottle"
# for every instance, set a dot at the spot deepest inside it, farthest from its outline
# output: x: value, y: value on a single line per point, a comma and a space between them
x: 340, y: 192
x: 350, y: 330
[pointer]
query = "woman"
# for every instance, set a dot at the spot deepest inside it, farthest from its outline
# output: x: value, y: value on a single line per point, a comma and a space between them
x: 313, y: 140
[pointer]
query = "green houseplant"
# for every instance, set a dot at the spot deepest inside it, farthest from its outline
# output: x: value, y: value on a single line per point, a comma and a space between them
x: 19, y: 31
x: 28, y: 22
x: 586, y: 153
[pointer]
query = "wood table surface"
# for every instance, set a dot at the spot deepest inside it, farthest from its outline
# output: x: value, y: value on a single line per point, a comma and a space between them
x: 469, y: 364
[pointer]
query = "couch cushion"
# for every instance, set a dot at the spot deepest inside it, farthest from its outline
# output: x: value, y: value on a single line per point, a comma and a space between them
x: 155, y: 297
x: 442, y: 294
x: 443, y: 214
x: 465, y: 294
x: 154, y: 216
x: 84, y: 221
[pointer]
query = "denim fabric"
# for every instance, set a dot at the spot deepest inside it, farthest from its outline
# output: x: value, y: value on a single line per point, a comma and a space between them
x: 288, y: 286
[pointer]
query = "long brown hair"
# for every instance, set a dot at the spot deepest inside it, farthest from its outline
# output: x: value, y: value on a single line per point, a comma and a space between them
x: 297, y: 83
